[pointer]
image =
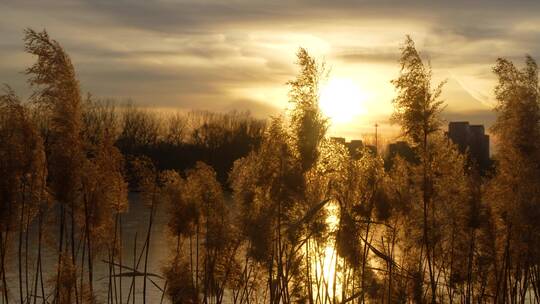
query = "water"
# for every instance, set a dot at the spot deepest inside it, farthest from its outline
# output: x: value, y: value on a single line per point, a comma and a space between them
x: 134, y: 222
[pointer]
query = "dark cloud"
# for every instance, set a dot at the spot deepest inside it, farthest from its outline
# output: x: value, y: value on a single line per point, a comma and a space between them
x: 481, y: 17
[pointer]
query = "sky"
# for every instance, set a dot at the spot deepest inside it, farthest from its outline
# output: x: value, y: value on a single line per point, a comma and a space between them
x: 239, y: 54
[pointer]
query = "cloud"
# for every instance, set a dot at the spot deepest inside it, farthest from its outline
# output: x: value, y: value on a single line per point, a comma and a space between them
x: 485, y: 117
x: 370, y: 55
x: 211, y: 54
x: 258, y: 109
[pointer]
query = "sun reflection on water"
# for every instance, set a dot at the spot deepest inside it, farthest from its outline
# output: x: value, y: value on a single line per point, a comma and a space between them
x: 329, y: 284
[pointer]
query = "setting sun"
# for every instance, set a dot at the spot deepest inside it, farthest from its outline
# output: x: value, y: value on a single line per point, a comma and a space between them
x: 342, y: 100
x: 269, y: 152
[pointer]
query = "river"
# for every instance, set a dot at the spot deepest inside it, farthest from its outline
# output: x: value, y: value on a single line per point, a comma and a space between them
x: 134, y: 222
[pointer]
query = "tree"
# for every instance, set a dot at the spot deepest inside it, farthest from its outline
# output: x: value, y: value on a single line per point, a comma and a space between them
x: 104, y: 197
x: 139, y: 128
x: 57, y: 90
x: 514, y: 188
x: 267, y: 184
x: 86, y: 169
x: 416, y: 109
x: 271, y: 189
x: 199, y: 210
x: 176, y: 129
x: 23, y: 191
x: 308, y: 126
x: 100, y: 119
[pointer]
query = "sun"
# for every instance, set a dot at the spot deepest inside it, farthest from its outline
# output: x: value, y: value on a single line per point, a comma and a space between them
x: 341, y: 99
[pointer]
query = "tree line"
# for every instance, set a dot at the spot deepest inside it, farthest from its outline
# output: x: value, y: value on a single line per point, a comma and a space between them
x: 267, y: 211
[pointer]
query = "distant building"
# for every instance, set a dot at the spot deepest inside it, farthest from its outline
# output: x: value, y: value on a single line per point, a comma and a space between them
x: 340, y: 140
x: 471, y: 138
x: 401, y: 149
x: 372, y: 149
x: 354, y: 146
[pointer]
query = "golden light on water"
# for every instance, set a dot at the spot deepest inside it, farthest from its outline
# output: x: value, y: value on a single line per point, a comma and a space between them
x: 326, y: 266
x: 342, y: 100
